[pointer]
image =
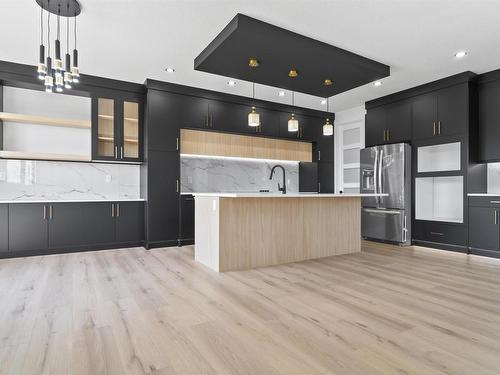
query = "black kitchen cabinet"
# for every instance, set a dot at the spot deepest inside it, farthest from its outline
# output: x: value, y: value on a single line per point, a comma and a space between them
x: 129, y: 219
x: 67, y: 225
x: 4, y: 228
x: 164, y: 119
x: 100, y: 222
x: 441, y: 233
x: 117, y: 128
x: 229, y: 117
x: 163, y: 198
x: 308, y: 177
x: 484, y: 229
x: 388, y: 124
x: 28, y: 227
x: 324, y: 147
x: 441, y: 113
x: 307, y: 127
x: 489, y: 121
x: 186, y: 232
x: 269, y: 122
x: 326, y: 177
x: 194, y: 113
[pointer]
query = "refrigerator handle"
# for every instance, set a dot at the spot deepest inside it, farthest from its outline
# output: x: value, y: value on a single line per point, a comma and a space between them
x: 375, y: 180
x: 405, y: 230
x: 379, y: 179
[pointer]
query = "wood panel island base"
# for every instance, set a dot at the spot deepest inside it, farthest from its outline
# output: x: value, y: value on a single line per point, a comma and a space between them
x: 243, y: 231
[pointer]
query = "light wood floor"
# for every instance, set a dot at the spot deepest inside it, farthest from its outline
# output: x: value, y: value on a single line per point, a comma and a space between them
x: 387, y: 310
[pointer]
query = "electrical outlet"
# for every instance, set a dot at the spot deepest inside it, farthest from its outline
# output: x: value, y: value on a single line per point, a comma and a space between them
x: 108, y: 178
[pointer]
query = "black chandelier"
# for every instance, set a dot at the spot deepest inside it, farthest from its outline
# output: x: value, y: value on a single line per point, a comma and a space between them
x: 51, y: 71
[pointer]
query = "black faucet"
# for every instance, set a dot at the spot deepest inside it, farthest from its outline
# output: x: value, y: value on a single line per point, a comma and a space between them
x: 280, y: 188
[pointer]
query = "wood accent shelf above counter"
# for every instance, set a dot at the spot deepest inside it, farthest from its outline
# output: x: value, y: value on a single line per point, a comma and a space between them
x: 42, y: 120
x: 42, y: 156
x: 196, y: 142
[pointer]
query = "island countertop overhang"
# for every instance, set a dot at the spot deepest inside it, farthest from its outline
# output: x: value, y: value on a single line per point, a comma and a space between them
x: 288, y: 195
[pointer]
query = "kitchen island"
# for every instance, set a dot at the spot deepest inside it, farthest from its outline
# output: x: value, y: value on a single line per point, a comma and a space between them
x: 238, y: 231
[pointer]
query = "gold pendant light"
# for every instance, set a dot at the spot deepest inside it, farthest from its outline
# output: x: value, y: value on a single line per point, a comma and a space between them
x: 253, y: 116
x: 327, y: 127
x: 293, y: 123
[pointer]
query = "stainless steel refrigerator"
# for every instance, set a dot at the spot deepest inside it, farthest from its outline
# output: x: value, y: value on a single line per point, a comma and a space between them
x: 386, y: 169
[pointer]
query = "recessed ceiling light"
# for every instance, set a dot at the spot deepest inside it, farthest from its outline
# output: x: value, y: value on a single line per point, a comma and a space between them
x: 281, y: 93
x: 460, y: 54
x: 231, y: 83
x: 323, y: 102
x: 170, y: 70
x: 377, y: 83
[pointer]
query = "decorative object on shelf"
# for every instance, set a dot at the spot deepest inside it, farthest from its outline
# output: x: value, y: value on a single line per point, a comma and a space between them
x: 253, y: 116
x: 52, y: 71
x: 293, y: 123
x: 327, y: 127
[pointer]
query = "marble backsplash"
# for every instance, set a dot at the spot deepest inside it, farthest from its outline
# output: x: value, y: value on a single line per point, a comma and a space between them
x: 208, y: 174
x: 48, y: 180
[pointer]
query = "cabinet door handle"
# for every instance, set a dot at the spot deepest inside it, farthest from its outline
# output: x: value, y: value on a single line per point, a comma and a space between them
x: 118, y: 210
x: 50, y: 212
x: 319, y: 154
x: 388, y: 135
x: 121, y: 152
x: 384, y: 135
x: 177, y: 186
x: 116, y: 152
x: 493, y: 202
x: 439, y: 127
x: 319, y: 187
x: 211, y: 121
x: 434, y: 128
x: 177, y: 143
x: 206, y: 120
x: 112, y: 210
x: 44, y: 212
x: 437, y: 233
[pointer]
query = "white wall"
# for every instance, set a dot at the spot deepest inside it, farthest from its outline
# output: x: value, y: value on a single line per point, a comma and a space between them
x: 348, y: 123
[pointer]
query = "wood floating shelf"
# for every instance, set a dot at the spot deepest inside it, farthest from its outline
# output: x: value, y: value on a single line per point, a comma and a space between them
x: 198, y: 142
x: 111, y: 139
x: 111, y: 117
x: 41, y: 120
x: 42, y: 156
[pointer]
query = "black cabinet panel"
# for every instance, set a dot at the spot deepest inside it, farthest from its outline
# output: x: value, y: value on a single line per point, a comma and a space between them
x: 229, y: 117
x: 269, y: 123
x: 326, y: 177
x: 194, y: 112
x: 453, y: 109
x: 398, y: 122
x: 484, y: 229
x: 424, y: 116
x: 440, y: 233
x: 28, y: 227
x: 4, y: 228
x: 129, y: 221
x: 67, y: 225
x: 308, y: 177
x: 163, y: 197
x: 375, y: 121
x: 163, y: 120
x: 187, y: 217
x: 489, y: 121
x: 100, y: 223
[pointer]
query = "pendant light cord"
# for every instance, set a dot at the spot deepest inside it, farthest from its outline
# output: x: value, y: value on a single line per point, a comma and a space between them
x: 58, y: 27
x: 48, y: 28
x: 67, y: 33
x: 41, y: 25
x: 75, y: 29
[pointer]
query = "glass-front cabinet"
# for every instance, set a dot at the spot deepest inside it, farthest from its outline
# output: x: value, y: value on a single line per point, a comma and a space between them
x: 116, y: 129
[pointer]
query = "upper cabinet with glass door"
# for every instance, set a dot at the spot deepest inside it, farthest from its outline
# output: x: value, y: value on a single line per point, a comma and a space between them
x: 116, y: 129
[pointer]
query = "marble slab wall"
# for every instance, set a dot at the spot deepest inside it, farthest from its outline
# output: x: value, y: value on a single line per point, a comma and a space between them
x: 48, y: 180
x: 208, y: 174
x: 493, y: 178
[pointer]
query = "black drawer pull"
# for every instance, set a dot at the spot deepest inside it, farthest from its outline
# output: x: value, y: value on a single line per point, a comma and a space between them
x: 437, y: 233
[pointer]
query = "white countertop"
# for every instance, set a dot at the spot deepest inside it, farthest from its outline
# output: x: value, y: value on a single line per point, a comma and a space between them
x: 71, y: 200
x: 483, y: 195
x: 287, y: 195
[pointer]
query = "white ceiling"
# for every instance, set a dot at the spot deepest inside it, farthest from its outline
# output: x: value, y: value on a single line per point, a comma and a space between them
x: 136, y: 39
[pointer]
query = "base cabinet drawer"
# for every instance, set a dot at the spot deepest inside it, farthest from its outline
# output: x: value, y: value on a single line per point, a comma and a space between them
x: 440, y: 233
